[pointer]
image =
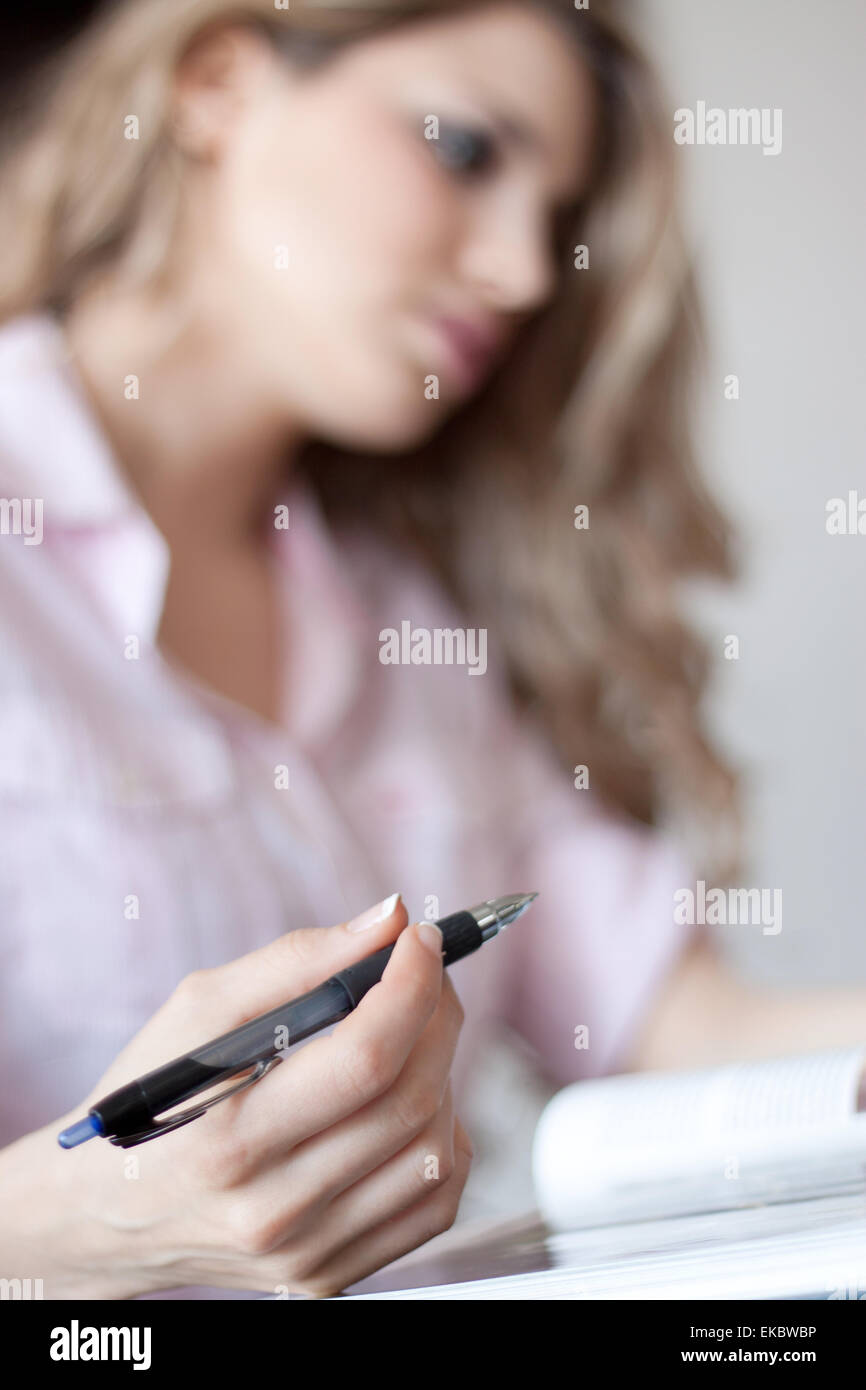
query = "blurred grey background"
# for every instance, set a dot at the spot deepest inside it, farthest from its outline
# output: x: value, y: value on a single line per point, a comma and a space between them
x: 780, y: 247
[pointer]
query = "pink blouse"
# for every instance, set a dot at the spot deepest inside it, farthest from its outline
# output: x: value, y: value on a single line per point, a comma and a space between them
x: 145, y: 826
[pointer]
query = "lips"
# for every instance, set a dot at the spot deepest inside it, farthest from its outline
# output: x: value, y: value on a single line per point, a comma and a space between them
x: 471, y: 345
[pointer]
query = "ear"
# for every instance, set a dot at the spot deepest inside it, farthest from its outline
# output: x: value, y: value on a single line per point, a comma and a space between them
x: 218, y: 76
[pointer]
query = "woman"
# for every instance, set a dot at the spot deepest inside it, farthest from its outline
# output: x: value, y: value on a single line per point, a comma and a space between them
x: 299, y: 345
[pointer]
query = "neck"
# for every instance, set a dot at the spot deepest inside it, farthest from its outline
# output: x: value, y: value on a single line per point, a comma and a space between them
x: 194, y: 434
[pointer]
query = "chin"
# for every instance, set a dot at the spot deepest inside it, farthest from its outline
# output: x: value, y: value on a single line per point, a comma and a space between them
x: 395, y: 428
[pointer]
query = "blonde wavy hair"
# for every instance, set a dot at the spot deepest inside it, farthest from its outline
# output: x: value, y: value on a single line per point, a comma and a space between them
x: 592, y: 407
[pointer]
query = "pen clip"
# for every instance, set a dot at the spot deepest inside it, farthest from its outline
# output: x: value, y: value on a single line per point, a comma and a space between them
x: 129, y: 1141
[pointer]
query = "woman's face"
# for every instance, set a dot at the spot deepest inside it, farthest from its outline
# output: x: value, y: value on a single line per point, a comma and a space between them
x: 349, y: 255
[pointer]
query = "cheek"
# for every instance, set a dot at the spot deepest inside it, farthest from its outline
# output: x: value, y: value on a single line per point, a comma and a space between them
x: 337, y: 240
x: 362, y: 210
x: 395, y: 207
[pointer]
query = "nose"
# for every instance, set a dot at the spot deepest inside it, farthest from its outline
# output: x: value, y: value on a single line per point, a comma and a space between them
x: 507, y: 257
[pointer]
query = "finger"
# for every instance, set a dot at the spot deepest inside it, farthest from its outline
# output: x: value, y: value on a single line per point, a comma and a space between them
x: 427, y: 1162
x: 293, y: 1191
x: 332, y: 1077
x: 294, y: 963
x: 431, y: 1216
x: 210, y: 1002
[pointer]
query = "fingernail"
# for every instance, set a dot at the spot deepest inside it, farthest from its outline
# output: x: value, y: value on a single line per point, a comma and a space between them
x: 374, y: 915
x: 430, y: 936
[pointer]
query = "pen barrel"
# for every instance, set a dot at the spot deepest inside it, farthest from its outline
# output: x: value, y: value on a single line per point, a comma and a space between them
x: 461, y: 935
x: 135, y: 1107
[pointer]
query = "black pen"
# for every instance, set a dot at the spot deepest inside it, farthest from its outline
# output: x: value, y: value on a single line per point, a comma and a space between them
x: 129, y: 1116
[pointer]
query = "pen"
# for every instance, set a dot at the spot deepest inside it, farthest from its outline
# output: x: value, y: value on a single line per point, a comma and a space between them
x: 129, y: 1115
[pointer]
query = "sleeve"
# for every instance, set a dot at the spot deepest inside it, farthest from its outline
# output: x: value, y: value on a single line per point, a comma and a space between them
x: 588, y: 961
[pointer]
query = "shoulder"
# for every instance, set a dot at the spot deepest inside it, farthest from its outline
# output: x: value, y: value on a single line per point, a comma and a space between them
x: 25, y: 371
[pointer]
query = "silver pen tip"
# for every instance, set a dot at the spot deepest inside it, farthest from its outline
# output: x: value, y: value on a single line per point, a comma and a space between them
x: 495, y: 914
x: 519, y: 904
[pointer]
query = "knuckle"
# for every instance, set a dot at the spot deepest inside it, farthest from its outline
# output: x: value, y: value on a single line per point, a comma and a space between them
x: 416, y: 1104
x: 302, y: 1260
x: 224, y: 1162
x: 248, y: 1232
x: 304, y: 944
x: 444, y: 1169
x: 367, y: 1070
x: 428, y: 992
x: 447, y: 1166
x: 240, y: 1233
x: 444, y: 1211
x: 299, y: 1265
x: 194, y: 987
x: 454, y: 1006
x: 295, y: 952
x: 463, y: 1142
x: 295, y: 1212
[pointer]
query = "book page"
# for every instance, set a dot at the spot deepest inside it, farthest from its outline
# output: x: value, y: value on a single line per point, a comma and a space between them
x: 805, y: 1249
x: 640, y: 1145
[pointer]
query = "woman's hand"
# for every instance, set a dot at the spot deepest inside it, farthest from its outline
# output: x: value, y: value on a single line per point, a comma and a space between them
x: 343, y: 1158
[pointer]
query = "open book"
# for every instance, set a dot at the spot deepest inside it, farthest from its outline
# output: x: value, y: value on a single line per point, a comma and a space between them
x: 738, y: 1181
x: 669, y: 1143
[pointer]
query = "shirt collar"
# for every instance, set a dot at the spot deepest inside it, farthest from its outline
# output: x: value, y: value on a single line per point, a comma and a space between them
x: 52, y: 447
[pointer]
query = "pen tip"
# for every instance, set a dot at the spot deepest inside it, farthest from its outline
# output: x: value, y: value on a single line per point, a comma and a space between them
x: 510, y: 908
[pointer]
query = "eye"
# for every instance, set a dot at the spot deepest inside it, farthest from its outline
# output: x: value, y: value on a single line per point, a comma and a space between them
x: 464, y: 149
